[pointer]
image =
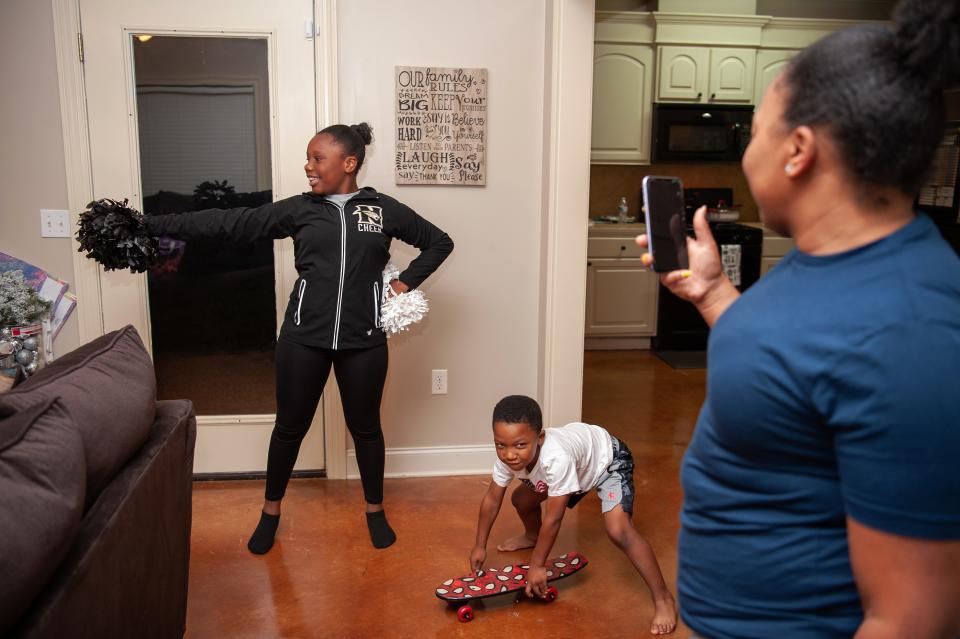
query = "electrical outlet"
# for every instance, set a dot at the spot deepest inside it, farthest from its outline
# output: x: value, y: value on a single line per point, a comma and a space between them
x: 54, y: 223
x: 438, y: 381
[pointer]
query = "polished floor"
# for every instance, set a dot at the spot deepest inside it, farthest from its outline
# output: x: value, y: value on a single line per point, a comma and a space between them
x: 324, y: 579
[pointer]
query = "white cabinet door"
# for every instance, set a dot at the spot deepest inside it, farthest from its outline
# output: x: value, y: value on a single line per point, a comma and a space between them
x: 769, y: 66
x: 731, y: 75
x: 621, y: 298
x: 682, y: 73
x: 622, y: 101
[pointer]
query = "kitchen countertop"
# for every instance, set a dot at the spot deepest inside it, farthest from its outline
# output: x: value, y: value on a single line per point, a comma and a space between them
x: 774, y: 244
x: 615, y: 229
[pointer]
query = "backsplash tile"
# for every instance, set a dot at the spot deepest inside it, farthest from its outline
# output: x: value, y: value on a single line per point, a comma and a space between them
x: 609, y: 182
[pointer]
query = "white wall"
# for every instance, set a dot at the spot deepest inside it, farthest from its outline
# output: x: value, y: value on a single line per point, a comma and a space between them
x: 32, y: 173
x: 484, y: 319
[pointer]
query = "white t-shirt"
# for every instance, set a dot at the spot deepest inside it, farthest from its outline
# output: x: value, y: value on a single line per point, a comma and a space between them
x: 573, y: 459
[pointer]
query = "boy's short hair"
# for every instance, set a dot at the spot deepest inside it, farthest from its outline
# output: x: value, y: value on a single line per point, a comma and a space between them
x: 519, y: 409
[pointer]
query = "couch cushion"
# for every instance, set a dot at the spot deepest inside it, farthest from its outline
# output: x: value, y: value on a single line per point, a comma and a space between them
x: 109, y: 389
x: 42, y: 477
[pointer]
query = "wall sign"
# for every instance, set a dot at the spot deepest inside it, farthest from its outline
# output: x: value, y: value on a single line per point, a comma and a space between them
x: 441, y: 126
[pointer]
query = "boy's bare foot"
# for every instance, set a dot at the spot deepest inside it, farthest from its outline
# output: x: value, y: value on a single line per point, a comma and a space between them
x: 664, y: 617
x: 517, y: 543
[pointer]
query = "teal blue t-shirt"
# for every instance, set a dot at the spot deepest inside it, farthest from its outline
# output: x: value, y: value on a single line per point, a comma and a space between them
x: 833, y: 390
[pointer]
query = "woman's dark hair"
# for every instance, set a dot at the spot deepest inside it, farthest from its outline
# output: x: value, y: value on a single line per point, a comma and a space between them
x: 878, y: 91
x: 352, y: 139
x: 519, y: 409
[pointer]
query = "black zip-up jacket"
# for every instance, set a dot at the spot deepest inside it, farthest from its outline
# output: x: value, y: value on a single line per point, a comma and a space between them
x: 340, y: 254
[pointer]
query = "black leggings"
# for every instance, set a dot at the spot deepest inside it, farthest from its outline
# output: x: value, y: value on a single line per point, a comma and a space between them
x: 302, y: 372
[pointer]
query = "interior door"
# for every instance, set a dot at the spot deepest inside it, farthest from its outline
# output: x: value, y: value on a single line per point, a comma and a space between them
x: 205, y: 104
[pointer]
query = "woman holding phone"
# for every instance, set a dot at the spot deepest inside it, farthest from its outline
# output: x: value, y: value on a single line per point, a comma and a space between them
x: 821, y: 484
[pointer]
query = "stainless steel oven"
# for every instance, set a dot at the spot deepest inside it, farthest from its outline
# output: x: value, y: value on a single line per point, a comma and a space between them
x: 700, y: 132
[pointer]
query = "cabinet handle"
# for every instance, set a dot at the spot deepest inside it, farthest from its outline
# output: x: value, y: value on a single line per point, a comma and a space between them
x: 713, y: 96
x: 700, y: 95
x: 623, y: 248
x: 589, y: 263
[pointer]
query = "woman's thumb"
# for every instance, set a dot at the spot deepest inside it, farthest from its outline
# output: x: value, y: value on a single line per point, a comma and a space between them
x: 700, y: 226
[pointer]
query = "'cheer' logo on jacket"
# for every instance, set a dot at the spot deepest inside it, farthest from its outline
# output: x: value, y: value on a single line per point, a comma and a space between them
x: 369, y: 218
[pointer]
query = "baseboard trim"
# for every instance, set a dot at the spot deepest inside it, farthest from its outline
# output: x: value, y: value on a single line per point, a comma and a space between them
x: 257, y: 474
x: 616, y: 344
x: 431, y: 461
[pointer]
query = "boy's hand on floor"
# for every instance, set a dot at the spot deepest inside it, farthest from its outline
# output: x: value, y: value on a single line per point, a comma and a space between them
x: 537, y: 582
x: 477, y: 556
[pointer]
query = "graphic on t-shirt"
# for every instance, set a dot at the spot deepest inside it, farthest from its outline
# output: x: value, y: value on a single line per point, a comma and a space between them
x: 369, y: 218
x: 541, y: 486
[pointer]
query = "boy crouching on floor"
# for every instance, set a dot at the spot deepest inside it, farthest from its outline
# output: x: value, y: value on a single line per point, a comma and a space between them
x: 559, y: 466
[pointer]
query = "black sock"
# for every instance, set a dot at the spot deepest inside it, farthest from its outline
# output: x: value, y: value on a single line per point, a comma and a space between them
x: 381, y: 534
x: 262, y: 539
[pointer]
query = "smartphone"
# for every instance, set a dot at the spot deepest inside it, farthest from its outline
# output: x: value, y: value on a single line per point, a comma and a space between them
x: 666, y: 223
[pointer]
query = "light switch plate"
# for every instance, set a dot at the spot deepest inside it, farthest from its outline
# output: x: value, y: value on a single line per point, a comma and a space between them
x: 54, y: 223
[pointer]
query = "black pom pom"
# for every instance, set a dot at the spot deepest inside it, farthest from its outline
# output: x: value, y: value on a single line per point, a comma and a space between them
x: 115, y: 235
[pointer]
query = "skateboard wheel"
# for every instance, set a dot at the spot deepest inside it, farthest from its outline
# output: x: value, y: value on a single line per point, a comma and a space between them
x: 465, y: 614
x: 552, y: 594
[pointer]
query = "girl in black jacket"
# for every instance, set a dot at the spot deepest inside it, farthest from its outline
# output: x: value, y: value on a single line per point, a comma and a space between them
x: 342, y: 237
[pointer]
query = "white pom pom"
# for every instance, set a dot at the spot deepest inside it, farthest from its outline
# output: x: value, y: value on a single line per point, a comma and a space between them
x: 399, y: 311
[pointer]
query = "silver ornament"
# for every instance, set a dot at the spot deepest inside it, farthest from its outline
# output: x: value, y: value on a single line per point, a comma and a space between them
x: 30, y: 368
x: 25, y: 357
x: 30, y: 343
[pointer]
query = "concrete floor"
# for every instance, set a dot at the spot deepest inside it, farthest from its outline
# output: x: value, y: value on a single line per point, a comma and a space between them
x: 324, y: 579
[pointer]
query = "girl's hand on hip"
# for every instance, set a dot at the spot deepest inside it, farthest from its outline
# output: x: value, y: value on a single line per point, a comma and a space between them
x: 399, y: 287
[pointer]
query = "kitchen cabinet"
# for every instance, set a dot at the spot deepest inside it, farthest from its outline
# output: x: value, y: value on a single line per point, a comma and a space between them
x: 719, y: 75
x: 769, y: 66
x: 774, y: 248
x: 621, y: 292
x: 622, y: 103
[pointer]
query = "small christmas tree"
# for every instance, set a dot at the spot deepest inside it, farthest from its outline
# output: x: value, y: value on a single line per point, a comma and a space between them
x: 19, y: 303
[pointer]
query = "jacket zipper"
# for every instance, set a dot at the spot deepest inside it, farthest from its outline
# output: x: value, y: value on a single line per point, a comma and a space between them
x: 303, y: 288
x: 376, y: 304
x: 343, y: 265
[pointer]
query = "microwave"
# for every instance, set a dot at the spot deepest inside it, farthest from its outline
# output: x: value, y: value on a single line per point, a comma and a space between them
x: 700, y: 132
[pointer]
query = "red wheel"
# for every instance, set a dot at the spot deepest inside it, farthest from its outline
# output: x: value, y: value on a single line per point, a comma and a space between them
x: 552, y: 594
x: 465, y: 614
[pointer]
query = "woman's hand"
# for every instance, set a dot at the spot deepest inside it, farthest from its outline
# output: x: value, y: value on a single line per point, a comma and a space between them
x: 705, y: 283
x: 477, y: 556
x: 399, y: 287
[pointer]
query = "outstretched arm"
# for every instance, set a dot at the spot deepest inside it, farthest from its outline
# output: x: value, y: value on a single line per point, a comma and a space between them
x: 489, y: 509
x: 274, y: 221
x: 537, y: 574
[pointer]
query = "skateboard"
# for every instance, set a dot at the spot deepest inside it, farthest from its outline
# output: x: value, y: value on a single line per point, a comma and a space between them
x: 497, y: 581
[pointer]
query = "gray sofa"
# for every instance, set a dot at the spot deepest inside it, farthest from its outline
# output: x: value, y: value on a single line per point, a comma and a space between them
x: 95, y: 498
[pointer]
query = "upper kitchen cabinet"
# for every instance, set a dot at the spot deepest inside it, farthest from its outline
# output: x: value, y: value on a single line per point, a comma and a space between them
x: 706, y: 74
x: 731, y: 75
x: 683, y: 73
x: 622, y: 84
x: 769, y: 66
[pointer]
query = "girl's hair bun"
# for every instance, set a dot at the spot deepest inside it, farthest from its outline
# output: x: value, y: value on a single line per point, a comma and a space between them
x: 364, y: 130
x: 928, y: 40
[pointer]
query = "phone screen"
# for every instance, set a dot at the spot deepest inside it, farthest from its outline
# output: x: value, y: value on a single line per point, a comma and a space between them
x: 666, y: 224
